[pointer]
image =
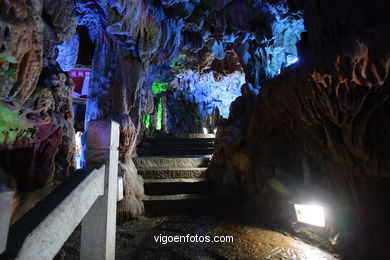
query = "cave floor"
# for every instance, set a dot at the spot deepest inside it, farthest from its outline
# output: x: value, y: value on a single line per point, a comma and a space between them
x: 136, y: 240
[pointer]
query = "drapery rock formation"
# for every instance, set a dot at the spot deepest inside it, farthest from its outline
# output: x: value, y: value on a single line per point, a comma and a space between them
x: 36, y: 139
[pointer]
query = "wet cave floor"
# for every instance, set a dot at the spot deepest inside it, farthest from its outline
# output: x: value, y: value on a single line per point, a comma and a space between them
x: 136, y: 240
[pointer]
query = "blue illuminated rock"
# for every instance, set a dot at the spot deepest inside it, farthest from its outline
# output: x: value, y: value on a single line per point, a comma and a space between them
x: 68, y: 52
x: 209, y: 93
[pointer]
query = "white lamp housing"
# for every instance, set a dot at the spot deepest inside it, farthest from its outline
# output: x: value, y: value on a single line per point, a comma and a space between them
x: 310, y: 214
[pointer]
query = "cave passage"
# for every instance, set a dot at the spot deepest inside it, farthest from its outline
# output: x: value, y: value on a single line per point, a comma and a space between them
x: 266, y: 121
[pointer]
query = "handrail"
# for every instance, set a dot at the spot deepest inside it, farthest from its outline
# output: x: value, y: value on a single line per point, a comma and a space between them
x: 41, y: 232
x: 89, y: 196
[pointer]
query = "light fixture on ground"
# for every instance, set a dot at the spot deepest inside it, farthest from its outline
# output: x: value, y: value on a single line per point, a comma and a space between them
x: 205, y: 131
x: 310, y: 214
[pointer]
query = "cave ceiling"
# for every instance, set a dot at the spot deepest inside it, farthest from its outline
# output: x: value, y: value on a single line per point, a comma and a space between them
x: 157, y: 31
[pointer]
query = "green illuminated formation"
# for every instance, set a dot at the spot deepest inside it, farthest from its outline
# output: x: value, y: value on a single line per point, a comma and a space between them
x: 159, y: 87
x: 9, y: 121
x: 159, y: 114
x: 147, y: 121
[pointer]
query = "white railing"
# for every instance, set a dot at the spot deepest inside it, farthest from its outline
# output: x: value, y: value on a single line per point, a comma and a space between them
x: 89, y: 197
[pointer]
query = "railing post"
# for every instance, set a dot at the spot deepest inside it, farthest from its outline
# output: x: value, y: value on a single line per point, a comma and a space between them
x: 99, y: 225
x: 6, y: 198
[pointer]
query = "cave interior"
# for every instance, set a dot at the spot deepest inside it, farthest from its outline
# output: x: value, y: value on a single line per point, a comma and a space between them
x: 285, y: 102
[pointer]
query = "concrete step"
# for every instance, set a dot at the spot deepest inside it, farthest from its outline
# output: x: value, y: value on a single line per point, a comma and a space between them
x: 173, y: 144
x: 176, y: 186
x: 174, y: 151
x: 192, y: 161
x: 178, y: 204
x: 172, y: 173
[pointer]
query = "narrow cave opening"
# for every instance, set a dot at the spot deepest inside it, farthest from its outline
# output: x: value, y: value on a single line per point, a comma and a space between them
x: 86, y: 48
x: 189, y: 99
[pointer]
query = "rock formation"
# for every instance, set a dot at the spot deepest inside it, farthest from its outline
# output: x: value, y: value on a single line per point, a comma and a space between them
x: 36, y: 95
x: 327, y: 114
x: 319, y: 125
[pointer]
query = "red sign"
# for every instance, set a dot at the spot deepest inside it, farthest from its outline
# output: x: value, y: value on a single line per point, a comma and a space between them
x: 79, y: 77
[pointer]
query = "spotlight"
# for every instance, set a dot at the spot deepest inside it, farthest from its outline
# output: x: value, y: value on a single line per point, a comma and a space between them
x: 291, y: 59
x: 310, y: 214
x: 295, y: 60
x: 215, y: 131
x: 205, y: 130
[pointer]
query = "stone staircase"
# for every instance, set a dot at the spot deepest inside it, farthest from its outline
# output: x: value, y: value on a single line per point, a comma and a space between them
x: 174, y: 170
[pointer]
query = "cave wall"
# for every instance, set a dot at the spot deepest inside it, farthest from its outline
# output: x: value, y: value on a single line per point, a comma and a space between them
x: 322, y: 123
x: 36, y: 118
x: 320, y: 126
x: 128, y: 38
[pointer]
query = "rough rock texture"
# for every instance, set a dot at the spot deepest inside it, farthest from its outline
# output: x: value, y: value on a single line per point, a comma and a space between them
x: 21, y: 51
x: 60, y: 23
x: 68, y: 52
x: 112, y: 92
x: 61, y: 17
x: 134, y: 191
x: 206, y: 92
x: 321, y: 127
x: 117, y: 103
x: 231, y: 160
x: 36, y: 139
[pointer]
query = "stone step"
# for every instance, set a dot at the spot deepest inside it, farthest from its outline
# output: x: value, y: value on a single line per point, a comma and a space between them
x: 174, y: 170
x: 176, y: 186
x: 172, y: 173
x: 174, y: 151
x: 181, y: 136
x: 178, y: 140
x: 173, y: 144
x: 192, y: 161
x: 177, y: 204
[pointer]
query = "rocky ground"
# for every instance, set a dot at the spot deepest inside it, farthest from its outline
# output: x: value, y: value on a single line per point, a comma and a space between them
x: 135, y: 240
